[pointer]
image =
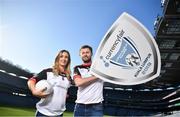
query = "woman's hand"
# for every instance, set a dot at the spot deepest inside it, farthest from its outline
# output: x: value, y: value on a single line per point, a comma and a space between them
x: 39, y: 93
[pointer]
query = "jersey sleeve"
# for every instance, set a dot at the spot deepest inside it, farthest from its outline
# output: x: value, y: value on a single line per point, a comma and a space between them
x: 76, y: 73
x: 40, y: 76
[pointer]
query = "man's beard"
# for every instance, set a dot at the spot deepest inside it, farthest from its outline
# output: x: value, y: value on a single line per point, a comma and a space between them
x: 86, y: 60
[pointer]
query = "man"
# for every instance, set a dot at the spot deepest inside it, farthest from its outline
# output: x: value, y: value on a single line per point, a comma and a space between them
x: 90, y: 88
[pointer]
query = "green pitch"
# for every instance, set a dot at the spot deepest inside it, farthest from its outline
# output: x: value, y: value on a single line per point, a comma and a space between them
x: 17, y: 111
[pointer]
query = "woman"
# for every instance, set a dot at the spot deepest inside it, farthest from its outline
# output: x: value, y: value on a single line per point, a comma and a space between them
x: 59, y: 77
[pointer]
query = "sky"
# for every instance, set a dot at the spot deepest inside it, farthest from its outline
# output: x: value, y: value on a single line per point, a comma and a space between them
x: 32, y: 32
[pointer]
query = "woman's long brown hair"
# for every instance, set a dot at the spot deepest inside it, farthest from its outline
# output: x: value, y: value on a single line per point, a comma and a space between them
x: 56, y: 69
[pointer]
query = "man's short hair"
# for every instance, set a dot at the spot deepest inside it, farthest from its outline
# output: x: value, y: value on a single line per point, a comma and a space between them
x: 86, y: 46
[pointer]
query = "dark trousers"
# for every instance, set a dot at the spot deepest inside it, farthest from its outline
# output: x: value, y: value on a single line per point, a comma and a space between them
x: 88, y: 110
x: 38, y: 114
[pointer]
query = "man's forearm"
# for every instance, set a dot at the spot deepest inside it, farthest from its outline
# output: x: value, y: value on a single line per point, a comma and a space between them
x: 80, y: 82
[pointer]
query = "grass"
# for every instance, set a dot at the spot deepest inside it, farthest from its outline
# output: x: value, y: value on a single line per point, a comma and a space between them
x: 20, y: 111
x: 16, y: 111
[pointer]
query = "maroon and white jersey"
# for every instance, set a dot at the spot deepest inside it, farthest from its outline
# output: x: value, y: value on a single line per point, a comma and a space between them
x: 92, y: 93
x: 53, y: 104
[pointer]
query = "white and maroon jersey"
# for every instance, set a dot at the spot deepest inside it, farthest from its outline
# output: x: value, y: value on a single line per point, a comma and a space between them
x: 92, y: 93
x: 53, y: 104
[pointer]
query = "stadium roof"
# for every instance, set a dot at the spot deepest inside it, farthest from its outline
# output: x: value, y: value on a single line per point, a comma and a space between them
x: 168, y: 38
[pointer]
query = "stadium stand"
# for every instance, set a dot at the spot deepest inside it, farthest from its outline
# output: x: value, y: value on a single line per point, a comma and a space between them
x: 7, y: 66
x: 13, y: 86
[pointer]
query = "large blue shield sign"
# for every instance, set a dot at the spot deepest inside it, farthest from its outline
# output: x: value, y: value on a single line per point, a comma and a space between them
x: 127, y: 55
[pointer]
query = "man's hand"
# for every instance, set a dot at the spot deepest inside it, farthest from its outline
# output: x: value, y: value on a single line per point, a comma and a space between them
x: 82, y: 82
